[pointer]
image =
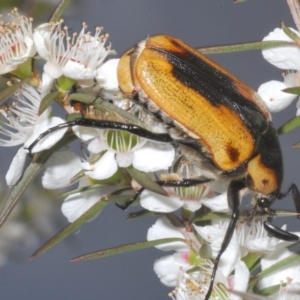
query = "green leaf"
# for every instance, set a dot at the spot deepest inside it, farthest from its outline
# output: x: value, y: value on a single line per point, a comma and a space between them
x: 293, y: 90
x: 289, y: 126
x: 23, y: 70
x: 118, y: 114
x: 59, y: 11
x: 210, y: 216
x: 145, y: 180
x: 284, y: 213
x: 202, y: 216
x: 28, y: 176
x: 73, y: 116
x: 270, y: 290
x: 244, y: 47
x: 252, y: 260
x: 77, y: 176
x: 297, y: 145
x: 249, y: 296
x: 82, y: 98
x: 252, y: 284
x: 73, y: 226
x: 126, y: 248
x: 141, y: 214
x: 293, y: 258
x: 46, y: 101
x: 289, y: 32
x: 65, y: 83
x: 80, y: 190
x: 10, y: 90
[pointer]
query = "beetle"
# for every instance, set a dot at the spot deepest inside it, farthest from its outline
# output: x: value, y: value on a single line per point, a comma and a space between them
x: 219, y: 123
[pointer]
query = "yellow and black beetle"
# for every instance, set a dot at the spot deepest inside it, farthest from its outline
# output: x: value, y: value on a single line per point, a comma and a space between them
x: 219, y: 122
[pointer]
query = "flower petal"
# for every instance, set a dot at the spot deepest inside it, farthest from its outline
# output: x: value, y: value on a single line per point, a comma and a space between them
x: 96, y: 145
x: 164, y: 229
x: 192, y: 204
x: 49, y: 140
x: 78, y: 71
x: 16, y: 167
x: 124, y: 159
x: 167, y: 269
x: 215, y: 237
x: 287, y: 57
x: 104, y: 168
x: 240, y: 279
x: 77, y: 204
x: 153, y: 157
x: 107, y: 75
x: 271, y: 93
x: 159, y: 203
x: 286, y: 274
x: 217, y: 203
x: 86, y: 133
x: 60, y: 169
x: 40, y: 36
x: 52, y: 69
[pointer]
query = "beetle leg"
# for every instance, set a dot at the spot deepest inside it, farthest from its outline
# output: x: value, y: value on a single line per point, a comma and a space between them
x: 296, y: 197
x: 233, y: 196
x: 186, y: 182
x: 280, y: 233
x: 169, y: 183
x: 134, y: 129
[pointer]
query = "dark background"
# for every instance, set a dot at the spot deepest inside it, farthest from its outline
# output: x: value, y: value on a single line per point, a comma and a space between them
x: 199, y: 23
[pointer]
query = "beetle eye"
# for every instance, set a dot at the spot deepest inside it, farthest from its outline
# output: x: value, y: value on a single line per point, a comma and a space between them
x: 263, y: 203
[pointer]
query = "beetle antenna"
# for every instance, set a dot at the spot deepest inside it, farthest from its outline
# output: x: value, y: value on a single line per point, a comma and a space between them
x: 134, y: 129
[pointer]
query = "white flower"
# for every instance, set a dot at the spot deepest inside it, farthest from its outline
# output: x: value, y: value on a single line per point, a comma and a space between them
x: 217, y: 203
x: 164, y: 229
x: 214, y: 235
x: 50, y: 41
x: 64, y: 165
x: 190, y: 198
x: 172, y: 269
x: 129, y: 149
x: 24, y: 126
x: 286, y: 58
x: 16, y: 42
x: 239, y: 281
x: 77, y: 57
x: 175, y: 200
x: 103, y: 168
x: 87, y: 55
x: 159, y: 203
x: 194, y: 285
x: 61, y: 167
x: 272, y: 95
x: 288, y: 277
x: 168, y: 267
x: 107, y: 75
x: 77, y: 204
x: 253, y: 237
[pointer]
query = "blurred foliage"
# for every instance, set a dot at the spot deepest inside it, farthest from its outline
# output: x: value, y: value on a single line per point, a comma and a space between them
x: 40, y: 10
